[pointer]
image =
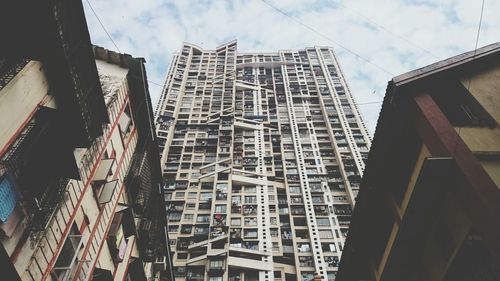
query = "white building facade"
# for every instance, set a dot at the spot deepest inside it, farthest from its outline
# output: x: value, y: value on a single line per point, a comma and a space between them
x: 262, y: 158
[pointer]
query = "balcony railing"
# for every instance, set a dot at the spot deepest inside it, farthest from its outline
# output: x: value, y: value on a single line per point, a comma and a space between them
x: 9, y: 69
x: 49, y: 203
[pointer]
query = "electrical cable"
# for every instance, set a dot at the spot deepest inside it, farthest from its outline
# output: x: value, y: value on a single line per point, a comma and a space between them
x: 473, y: 58
x: 326, y: 37
x: 102, y: 25
x: 379, y: 26
x: 113, y: 41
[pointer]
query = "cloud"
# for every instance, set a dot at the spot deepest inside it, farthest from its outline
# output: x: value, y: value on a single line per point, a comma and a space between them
x: 397, y: 35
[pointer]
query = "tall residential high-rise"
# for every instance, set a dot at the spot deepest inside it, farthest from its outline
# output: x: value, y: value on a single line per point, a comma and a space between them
x: 262, y: 159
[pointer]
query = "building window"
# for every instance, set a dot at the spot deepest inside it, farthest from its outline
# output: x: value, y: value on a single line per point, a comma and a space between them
x: 250, y: 221
x: 216, y: 264
x: 203, y: 218
x: 186, y: 229
x: 325, y: 234
x: 205, y: 196
x: 250, y: 199
x: 460, y: 107
x: 323, y: 221
x: 68, y: 257
x: 180, y: 271
x: 174, y: 216
x: 250, y: 233
x: 220, y: 208
x: 250, y: 189
x: 235, y: 221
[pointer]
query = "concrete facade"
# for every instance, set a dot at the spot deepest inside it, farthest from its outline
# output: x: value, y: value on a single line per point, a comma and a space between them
x: 262, y: 158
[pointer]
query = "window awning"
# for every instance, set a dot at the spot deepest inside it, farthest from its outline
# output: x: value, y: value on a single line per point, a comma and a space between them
x: 124, y: 122
x: 102, y: 275
x: 108, y: 189
x: 103, y: 170
x: 121, y: 207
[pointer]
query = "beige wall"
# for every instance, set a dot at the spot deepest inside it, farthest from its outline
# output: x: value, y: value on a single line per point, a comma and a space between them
x: 18, y: 102
x: 19, y: 99
x: 485, y: 87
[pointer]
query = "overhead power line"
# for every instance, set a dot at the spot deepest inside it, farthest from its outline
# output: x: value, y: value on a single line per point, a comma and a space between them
x: 478, y: 29
x: 379, y: 26
x: 326, y: 37
x: 277, y: 9
x: 371, y: 102
x: 102, y: 25
x: 473, y: 58
x: 113, y: 41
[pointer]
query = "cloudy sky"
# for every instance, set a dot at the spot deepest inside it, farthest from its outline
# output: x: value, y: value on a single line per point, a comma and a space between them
x: 395, y: 36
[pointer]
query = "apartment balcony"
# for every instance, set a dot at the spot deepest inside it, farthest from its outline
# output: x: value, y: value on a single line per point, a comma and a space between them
x: 344, y: 221
x: 249, y: 210
x: 221, y: 196
x: 284, y: 224
x: 67, y: 262
x: 216, y: 267
x: 300, y: 211
x: 195, y: 277
x: 219, y: 220
x: 306, y: 261
x: 175, y: 207
x: 183, y: 244
x: 286, y: 235
x: 283, y: 211
x: 235, y: 209
x: 303, y: 247
x: 316, y: 188
x: 186, y: 229
x: 318, y: 200
x: 48, y: 205
x: 332, y: 261
x: 282, y: 201
x: 235, y: 278
x: 337, y: 179
x: 287, y: 249
x: 321, y: 210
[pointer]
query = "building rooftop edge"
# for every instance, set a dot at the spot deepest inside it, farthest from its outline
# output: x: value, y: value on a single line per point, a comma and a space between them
x: 445, y: 64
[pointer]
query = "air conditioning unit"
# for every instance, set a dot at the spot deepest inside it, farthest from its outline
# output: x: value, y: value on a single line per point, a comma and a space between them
x: 160, y: 264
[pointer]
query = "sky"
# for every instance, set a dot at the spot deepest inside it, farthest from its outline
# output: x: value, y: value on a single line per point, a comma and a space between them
x: 374, y: 40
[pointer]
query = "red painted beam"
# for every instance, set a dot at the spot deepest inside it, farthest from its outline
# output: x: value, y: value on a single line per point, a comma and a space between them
x: 96, y: 225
